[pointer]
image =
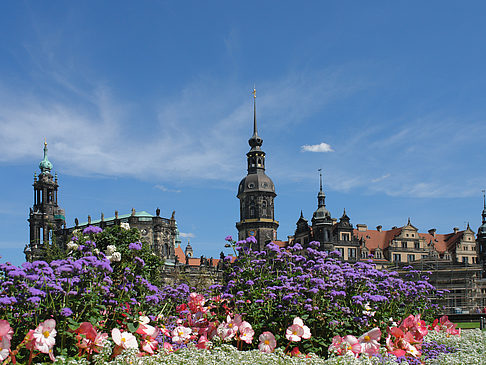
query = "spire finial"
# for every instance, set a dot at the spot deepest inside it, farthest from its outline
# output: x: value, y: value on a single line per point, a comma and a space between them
x: 320, y: 179
x: 255, y: 141
x: 254, y: 111
x: 301, y: 214
x: 484, y: 198
x: 408, y: 221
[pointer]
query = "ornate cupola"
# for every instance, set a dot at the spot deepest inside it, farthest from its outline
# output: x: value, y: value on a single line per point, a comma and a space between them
x: 45, y: 217
x: 256, y: 193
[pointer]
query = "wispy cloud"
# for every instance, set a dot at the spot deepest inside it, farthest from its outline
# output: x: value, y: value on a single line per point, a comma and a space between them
x: 381, y: 178
x: 165, y: 189
x: 321, y: 147
x: 187, y: 235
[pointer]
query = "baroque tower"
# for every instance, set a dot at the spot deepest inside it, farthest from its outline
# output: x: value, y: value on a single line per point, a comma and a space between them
x: 256, y: 193
x: 45, y: 217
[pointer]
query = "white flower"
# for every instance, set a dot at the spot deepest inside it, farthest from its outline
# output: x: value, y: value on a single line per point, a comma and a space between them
x: 125, y: 226
x: 124, y: 339
x: 368, y: 310
x: 110, y: 249
x: 71, y: 246
x: 116, y: 257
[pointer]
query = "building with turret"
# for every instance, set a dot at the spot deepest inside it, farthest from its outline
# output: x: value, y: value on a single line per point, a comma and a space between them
x: 256, y: 193
x: 46, y: 218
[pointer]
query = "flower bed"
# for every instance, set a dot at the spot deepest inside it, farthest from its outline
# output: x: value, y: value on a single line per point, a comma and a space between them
x: 101, y: 302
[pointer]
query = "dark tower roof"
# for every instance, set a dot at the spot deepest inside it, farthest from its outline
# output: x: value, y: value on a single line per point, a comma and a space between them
x: 321, y: 211
x: 255, y: 141
x: 256, y: 180
x: 482, y: 228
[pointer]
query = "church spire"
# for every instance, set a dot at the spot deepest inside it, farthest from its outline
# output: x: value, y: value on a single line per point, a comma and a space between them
x: 321, y: 197
x: 255, y: 141
x: 484, y: 206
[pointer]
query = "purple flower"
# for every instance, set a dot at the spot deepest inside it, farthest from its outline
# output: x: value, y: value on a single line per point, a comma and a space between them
x: 66, y: 312
x: 34, y: 299
x: 251, y: 239
x: 136, y: 246
x: 140, y: 261
x: 228, y: 238
x: 92, y: 229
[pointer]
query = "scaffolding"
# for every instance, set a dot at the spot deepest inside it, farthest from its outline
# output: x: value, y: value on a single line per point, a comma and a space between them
x: 463, y: 285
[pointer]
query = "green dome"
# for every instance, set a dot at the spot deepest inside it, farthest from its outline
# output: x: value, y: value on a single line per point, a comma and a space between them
x: 45, y: 165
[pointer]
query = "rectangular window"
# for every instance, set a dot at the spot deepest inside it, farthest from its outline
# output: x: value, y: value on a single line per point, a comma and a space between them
x: 396, y: 257
x: 404, y: 244
x: 345, y: 237
x: 410, y: 258
x: 351, y: 253
x: 417, y: 245
x: 341, y: 250
x: 465, y: 260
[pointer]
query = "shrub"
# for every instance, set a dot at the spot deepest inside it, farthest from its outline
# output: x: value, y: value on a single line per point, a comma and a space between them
x: 273, y: 286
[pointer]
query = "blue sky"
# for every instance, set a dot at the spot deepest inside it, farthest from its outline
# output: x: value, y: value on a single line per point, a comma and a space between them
x: 148, y: 105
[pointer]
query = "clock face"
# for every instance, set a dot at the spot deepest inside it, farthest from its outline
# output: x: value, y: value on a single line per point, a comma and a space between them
x: 144, y: 231
x: 251, y: 233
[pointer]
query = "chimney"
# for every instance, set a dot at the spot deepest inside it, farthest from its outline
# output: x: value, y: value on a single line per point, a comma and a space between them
x: 362, y: 227
x: 89, y: 219
x: 456, y: 229
x: 432, y: 232
x: 378, y: 228
x: 116, y: 214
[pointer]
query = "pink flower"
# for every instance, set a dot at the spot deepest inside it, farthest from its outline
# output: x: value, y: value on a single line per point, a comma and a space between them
x: 400, y: 343
x: 294, y: 333
x: 147, y: 330
x: 445, y: 325
x: 44, y: 337
x: 297, y: 331
x: 267, y: 342
x: 227, y: 330
x: 180, y: 334
x: 343, y: 345
x: 5, y: 330
x: 203, y: 342
x: 370, y: 341
x: 307, y: 332
x: 246, y: 332
x: 4, y: 348
x: 124, y: 339
x: 168, y: 347
x: 149, y: 345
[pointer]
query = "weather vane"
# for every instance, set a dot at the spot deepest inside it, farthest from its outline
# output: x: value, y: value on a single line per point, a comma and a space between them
x: 254, y: 91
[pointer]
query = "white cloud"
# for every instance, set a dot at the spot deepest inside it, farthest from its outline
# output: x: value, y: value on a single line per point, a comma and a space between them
x: 165, y: 189
x: 187, y: 235
x: 381, y: 178
x: 321, y: 147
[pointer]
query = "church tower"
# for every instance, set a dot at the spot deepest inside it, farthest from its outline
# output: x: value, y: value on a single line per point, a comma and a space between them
x: 256, y: 193
x: 322, y: 223
x: 45, y: 217
x: 482, y: 237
